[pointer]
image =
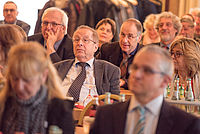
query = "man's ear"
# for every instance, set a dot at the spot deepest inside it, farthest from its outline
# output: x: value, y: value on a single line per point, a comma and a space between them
x: 138, y: 38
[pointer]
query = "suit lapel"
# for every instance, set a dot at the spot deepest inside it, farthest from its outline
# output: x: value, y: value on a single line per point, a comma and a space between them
x: 165, y: 121
x: 98, y: 74
x: 63, y: 68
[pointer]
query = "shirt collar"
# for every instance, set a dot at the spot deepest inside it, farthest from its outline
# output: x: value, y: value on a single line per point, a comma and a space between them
x: 90, y: 62
x: 134, y: 51
x: 153, y: 106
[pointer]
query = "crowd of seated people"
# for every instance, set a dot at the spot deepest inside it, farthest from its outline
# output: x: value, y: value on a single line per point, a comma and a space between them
x: 42, y: 71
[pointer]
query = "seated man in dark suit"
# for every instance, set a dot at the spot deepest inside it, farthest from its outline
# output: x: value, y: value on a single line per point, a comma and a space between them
x: 85, y: 75
x: 54, y: 35
x: 122, y: 53
x: 146, y: 112
x: 10, y: 16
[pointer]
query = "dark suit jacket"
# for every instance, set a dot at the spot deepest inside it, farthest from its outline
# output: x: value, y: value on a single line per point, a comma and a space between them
x: 106, y: 75
x: 26, y: 27
x: 60, y: 114
x: 111, y: 119
x: 112, y: 53
x: 65, y: 50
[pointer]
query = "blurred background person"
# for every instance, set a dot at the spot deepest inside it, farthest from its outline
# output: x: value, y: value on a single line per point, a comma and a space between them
x: 106, y: 29
x: 186, y: 56
x: 168, y: 26
x: 196, y: 14
x: 150, y: 34
x: 9, y: 36
x: 188, y: 26
x: 32, y: 96
x: 10, y: 16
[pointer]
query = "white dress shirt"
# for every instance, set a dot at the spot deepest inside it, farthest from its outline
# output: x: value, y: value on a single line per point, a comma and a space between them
x: 152, y: 112
x: 88, y: 84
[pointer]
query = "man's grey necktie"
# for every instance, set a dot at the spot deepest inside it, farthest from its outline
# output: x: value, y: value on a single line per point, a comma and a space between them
x: 75, y: 88
x: 139, y: 128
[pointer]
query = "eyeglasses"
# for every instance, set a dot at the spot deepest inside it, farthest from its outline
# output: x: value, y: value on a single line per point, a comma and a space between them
x: 11, y: 10
x: 84, y: 40
x: 176, y: 54
x: 144, y: 69
x: 129, y: 36
x: 53, y: 24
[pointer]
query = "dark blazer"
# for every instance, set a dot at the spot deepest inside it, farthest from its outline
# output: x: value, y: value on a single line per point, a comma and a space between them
x: 112, y: 53
x: 26, y: 27
x: 111, y: 119
x: 65, y: 50
x: 106, y: 75
x: 60, y: 114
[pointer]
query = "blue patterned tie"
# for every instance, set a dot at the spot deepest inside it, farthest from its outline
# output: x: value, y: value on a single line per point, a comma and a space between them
x: 139, y: 128
x: 75, y: 88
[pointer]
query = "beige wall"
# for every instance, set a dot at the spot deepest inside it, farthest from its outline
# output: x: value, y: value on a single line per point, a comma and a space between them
x: 181, y: 7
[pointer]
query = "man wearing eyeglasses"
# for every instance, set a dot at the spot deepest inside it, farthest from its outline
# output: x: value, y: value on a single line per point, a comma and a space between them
x: 146, y: 112
x: 122, y: 53
x: 54, y: 35
x: 99, y: 76
x: 10, y: 16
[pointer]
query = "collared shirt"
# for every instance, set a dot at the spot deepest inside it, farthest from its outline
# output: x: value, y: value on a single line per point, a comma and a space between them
x: 56, y: 45
x: 88, y: 84
x: 165, y: 46
x: 152, y: 112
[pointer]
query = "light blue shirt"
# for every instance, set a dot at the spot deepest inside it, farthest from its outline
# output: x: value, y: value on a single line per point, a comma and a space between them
x: 152, y: 112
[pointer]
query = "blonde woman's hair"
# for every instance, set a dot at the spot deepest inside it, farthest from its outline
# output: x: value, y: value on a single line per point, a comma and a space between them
x: 9, y: 36
x: 149, y: 21
x: 27, y: 60
x: 191, y: 53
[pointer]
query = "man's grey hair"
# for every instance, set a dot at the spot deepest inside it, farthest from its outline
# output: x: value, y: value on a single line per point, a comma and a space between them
x: 166, y: 65
x: 64, y: 16
x: 175, y: 20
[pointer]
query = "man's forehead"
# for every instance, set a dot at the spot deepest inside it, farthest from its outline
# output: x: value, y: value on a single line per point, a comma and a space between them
x: 10, y: 6
x: 165, y: 19
x: 83, y: 32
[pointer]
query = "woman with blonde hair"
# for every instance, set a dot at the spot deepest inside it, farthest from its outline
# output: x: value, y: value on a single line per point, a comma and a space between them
x: 186, y: 56
x: 32, y: 99
x: 150, y: 34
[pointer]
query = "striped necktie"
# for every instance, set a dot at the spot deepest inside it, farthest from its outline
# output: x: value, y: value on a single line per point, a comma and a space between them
x: 75, y: 88
x: 139, y: 128
x: 124, y: 65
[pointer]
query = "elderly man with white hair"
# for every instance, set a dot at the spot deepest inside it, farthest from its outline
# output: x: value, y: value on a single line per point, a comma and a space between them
x: 54, y: 35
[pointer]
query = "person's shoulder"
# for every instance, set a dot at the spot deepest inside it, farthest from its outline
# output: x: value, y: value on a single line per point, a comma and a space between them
x: 105, y: 63
x: 23, y: 23
x: 110, y: 45
x: 35, y: 37
x: 178, y: 114
x: 63, y: 62
x: 60, y: 103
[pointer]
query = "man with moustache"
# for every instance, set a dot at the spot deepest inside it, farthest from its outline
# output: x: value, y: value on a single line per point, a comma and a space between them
x: 168, y: 26
x: 54, y: 35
